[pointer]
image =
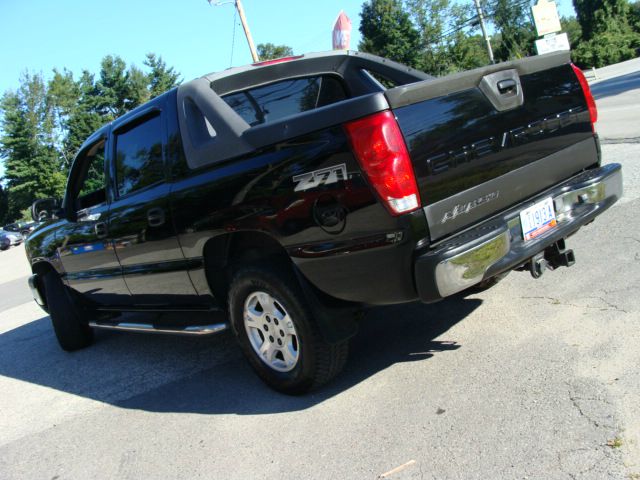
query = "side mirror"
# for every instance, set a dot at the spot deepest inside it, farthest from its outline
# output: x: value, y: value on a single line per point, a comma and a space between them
x: 45, y: 209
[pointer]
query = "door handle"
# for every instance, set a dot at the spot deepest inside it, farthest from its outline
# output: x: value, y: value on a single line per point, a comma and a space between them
x: 100, y: 228
x: 503, y: 89
x: 507, y: 86
x: 155, y: 217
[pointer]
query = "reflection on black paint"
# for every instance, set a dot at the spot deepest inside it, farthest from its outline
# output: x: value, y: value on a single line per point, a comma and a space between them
x: 459, y: 140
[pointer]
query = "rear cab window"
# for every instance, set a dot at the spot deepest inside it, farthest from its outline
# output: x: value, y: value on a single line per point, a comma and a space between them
x: 272, y: 102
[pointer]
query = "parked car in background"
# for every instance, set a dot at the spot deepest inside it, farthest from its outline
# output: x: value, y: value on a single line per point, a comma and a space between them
x: 7, y: 239
x: 25, y: 228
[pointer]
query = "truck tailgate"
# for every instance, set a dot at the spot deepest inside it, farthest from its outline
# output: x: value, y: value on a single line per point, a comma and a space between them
x: 486, y: 139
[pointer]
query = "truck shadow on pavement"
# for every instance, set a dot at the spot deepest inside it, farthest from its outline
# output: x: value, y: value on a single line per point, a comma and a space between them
x: 209, y: 375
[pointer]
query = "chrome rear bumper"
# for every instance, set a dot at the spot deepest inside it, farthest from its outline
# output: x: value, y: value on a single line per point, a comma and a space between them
x: 497, y: 245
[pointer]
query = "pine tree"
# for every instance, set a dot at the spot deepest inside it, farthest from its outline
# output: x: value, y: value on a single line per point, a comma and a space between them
x: 43, y: 125
x: 63, y: 94
x: 32, y: 165
x: 89, y: 113
x: 160, y: 77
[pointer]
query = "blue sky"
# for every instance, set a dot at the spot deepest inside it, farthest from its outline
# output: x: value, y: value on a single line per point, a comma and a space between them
x: 193, y: 37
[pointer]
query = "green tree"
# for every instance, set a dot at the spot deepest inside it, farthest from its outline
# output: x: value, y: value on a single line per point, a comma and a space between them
x: 63, y: 94
x: 465, y: 47
x: 137, y: 91
x: 634, y: 16
x: 111, y: 87
x: 161, y: 78
x: 43, y: 125
x: 608, y: 35
x: 571, y: 26
x: 89, y: 114
x: 516, y: 33
x: 433, y: 18
x: 269, y: 51
x: 120, y: 89
x: 27, y: 146
x: 598, y: 16
x: 467, y: 52
x: 388, y: 31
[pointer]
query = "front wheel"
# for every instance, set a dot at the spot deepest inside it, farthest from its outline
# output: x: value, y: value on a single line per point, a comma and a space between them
x: 278, y: 333
x: 71, y: 329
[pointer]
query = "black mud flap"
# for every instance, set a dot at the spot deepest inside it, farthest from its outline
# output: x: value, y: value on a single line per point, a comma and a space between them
x: 336, y: 319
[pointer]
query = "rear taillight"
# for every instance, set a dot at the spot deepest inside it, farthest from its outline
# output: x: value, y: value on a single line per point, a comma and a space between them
x: 586, y: 90
x: 380, y: 149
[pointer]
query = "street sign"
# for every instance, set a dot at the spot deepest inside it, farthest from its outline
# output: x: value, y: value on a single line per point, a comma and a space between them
x: 553, y: 43
x: 545, y: 16
x: 342, y: 32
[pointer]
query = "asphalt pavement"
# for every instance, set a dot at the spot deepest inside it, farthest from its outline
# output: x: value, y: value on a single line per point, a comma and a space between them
x: 533, y: 379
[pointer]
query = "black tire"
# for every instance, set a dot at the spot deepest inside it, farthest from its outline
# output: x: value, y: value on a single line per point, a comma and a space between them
x: 71, y: 328
x: 317, y: 361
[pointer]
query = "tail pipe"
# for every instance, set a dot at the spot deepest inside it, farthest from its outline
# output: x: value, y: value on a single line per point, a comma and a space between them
x: 554, y: 256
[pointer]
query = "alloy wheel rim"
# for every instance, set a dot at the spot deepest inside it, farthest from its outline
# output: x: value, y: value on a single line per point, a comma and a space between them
x: 271, y: 332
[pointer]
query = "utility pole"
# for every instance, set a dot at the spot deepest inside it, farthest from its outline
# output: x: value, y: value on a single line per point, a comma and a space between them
x: 484, y: 30
x: 245, y: 25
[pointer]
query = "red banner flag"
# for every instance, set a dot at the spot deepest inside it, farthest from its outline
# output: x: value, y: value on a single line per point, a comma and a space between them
x: 342, y: 32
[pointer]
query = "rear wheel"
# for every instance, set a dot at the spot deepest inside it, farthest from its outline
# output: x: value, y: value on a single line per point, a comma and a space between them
x: 71, y: 328
x: 277, y: 331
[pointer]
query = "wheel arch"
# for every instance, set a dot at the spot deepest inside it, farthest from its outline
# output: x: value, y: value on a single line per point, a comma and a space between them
x: 225, y: 253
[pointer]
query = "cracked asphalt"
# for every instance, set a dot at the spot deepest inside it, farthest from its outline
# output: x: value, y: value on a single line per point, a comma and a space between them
x: 533, y: 379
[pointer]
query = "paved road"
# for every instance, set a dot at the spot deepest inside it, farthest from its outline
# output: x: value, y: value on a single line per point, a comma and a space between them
x: 532, y: 379
x: 617, y: 99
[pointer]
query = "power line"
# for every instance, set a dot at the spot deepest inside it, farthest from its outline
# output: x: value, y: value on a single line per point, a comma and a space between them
x: 474, y: 20
x: 233, y: 38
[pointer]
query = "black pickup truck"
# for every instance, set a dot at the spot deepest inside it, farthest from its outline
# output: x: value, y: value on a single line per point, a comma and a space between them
x: 293, y: 193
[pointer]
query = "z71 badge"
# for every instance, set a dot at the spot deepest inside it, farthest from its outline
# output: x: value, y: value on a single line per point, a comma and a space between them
x: 324, y: 176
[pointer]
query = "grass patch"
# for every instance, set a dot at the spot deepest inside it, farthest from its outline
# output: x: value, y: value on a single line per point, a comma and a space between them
x: 615, y: 443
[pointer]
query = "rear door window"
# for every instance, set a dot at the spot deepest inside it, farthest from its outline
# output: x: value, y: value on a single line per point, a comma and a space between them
x: 272, y: 102
x: 139, y: 159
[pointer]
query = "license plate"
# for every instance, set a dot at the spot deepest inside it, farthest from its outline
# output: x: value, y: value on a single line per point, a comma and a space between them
x: 538, y: 219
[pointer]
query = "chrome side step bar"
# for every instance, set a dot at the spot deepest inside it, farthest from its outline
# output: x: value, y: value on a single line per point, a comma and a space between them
x: 147, y: 327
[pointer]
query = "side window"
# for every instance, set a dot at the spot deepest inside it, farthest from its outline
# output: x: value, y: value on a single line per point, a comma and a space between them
x: 91, y: 189
x: 139, y: 156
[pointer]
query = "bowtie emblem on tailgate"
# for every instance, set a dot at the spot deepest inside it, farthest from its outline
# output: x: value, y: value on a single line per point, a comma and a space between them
x: 324, y: 176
